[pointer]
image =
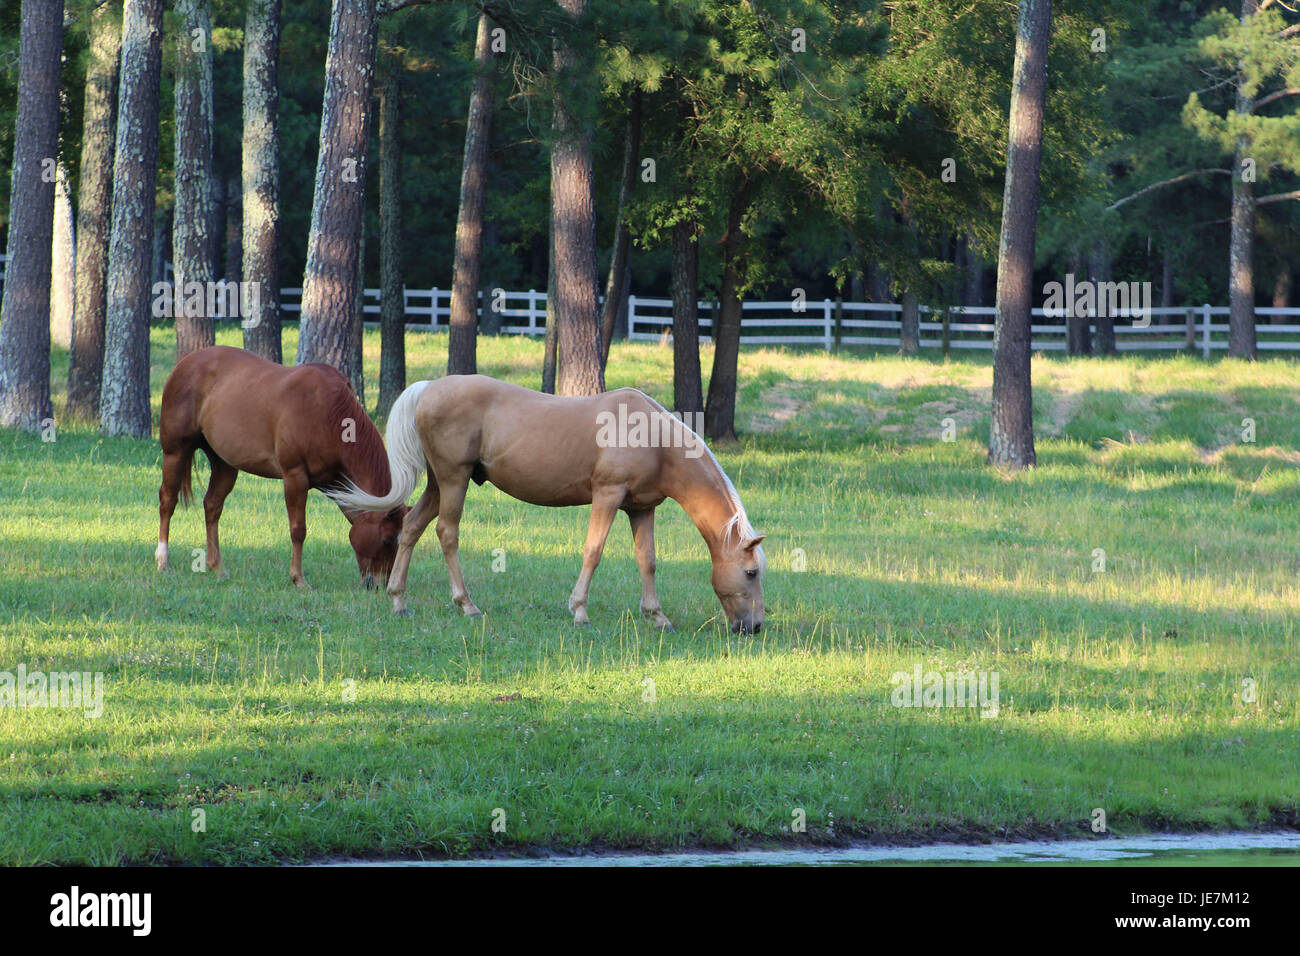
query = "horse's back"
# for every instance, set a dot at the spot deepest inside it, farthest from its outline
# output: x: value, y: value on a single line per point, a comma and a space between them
x: 537, y: 447
x: 250, y: 411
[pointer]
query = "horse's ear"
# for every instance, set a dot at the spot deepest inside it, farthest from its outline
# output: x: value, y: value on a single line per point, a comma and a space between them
x: 753, y: 542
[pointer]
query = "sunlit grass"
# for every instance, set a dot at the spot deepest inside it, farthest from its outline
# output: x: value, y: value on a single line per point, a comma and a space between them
x: 1162, y: 689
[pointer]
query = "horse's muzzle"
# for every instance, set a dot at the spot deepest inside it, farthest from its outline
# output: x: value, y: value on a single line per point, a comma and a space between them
x: 746, y: 626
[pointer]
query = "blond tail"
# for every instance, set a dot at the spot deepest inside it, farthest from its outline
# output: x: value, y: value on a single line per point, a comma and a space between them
x: 406, y: 460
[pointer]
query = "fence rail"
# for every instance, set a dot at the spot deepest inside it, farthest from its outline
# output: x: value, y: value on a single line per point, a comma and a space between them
x: 829, y: 323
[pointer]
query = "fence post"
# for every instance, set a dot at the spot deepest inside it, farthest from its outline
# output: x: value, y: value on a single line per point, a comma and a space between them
x: 947, y: 330
x: 1205, y: 331
x: 839, y: 322
x: 828, y: 324
x: 433, y: 308
x: 631, y: 315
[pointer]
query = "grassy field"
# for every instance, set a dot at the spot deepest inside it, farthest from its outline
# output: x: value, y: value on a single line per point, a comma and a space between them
x: 1162, y: 690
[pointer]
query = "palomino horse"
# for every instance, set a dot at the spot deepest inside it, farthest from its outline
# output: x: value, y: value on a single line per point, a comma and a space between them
x: 563, y: 451
x: 300, y: 424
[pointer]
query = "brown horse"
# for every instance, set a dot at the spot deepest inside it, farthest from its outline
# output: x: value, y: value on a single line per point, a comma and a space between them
x: 299, y: 424
x: 563, y: 451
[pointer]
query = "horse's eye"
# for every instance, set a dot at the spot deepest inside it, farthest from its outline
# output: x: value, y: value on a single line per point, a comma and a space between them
x: 751, y: 572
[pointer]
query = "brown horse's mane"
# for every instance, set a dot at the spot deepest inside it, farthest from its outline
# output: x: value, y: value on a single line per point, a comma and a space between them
x: 365, y: 461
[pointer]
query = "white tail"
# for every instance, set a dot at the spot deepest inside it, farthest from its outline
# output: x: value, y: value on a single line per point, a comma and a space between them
x: 406, y: 460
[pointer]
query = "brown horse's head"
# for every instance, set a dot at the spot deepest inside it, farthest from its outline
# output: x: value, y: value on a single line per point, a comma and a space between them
x: 374, y: 539
x: 738, y: 568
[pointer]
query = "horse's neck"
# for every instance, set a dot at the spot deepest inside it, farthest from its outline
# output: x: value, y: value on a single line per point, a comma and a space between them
x: 700, y: 487
x: 359, y: 463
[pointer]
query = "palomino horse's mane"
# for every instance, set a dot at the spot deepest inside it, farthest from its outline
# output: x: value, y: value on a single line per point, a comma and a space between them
x: 737, y: 525
x: 367, y: 453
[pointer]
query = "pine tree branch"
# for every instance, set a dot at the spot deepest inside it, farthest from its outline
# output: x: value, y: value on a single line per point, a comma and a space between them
x: 1278, y: 197
x: 1265, y: 100
x: 1166, y: 182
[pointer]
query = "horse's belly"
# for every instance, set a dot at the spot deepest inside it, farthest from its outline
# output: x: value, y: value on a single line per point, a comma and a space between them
x: 540, y: 493
x: 232, y: 442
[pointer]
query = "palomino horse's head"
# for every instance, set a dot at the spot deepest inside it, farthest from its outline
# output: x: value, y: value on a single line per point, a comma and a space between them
x: 738, y: 568
x: 374, y: 539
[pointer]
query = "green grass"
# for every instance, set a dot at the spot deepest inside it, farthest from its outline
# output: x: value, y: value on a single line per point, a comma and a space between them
x: 1121, y: 690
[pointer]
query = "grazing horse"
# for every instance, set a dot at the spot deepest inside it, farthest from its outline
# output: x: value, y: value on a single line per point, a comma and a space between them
x: 556, y: 451
x: 299, y: 424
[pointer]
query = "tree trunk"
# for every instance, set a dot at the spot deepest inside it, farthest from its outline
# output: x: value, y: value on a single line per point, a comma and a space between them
x: 1166, y: 278
x: 63, y: 262
x: 94, y: 213
x: 1241, y: 247
x: 356, y: 366
x: 260, y: 192
x: 577, y: 319
x: 878, y: 283
x: 489, y: 317
x: 975, y: 268
x: 1282, y: 292
x: 329, y: 295
x: 1240, y: 323
x: 1078, y: 328
x: 1011, y: 434
x: 720, y: 412
x: 688, y: 392
x: 233, y: 270
x: 124, y: 405
x: 392, y: 299
x: 462, y: 338
x: 1099, y: 271
x: 25, y: 312
x: 615, y: 294
x: 191, y: 243
x: 160, y: 246
x: 909, y: 335
x: 550, y: 348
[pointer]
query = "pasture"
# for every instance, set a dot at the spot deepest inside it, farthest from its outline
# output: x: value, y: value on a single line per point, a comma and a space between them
x: 1162, y: 689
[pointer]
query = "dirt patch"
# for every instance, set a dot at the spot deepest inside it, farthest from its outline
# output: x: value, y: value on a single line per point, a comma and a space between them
x: 1064, y: 405
x: 782, y: 404
x: 1214, y: 457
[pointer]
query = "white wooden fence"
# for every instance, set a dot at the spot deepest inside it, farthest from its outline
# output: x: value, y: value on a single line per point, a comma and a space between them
x: 828, y: 323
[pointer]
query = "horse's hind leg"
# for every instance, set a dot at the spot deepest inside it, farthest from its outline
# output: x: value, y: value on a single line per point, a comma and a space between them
x: 643, y: 537
x: 417, y: 519
x: 219, y: 485
x: 604, y: 507
x: 451, y: 503
x: 175, y: 469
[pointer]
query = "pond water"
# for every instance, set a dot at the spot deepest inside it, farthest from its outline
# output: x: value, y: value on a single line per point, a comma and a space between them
x: 1197, y: 849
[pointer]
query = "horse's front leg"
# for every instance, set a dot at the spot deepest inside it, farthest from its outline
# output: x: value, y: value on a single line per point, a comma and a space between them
x: 413, y: 525
x: 296, y: 485
x: 219, y: 486
x: 604, y: 506
x: 451, y: 500
x: 643, y: 537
